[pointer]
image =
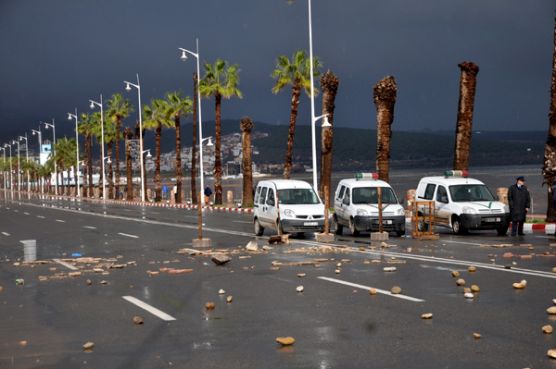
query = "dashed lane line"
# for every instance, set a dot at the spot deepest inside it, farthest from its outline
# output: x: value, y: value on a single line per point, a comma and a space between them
x: 151, y: 309
x: 41, y: 216
x: 128, y: 235
x: 60, y: 220
x: 367, y: 288
x: 89, y: 227
x: 6, y: 234
x: 63, y: 263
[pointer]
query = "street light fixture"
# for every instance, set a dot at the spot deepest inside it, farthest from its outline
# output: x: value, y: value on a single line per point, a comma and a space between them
x: 52, y: 152
x: 39, y: 135
x: 197, y: 55
x: 128, y: 86
x: 99, y: 104
x: 70, y: 117
x: 21, y: 138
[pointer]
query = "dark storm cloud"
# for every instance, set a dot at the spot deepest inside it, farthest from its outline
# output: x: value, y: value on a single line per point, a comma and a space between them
x: 57, y: 54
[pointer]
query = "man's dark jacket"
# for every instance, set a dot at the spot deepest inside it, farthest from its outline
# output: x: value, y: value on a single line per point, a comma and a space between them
x: 519, y: 200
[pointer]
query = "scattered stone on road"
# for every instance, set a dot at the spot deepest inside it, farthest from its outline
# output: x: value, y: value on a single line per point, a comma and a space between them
x: 373, y: 291
x: 468, y: 295
x: 299, y: 289
x: 74, y: 274
x: 23, y: 343
x: 476, y: 336
x: 301, y: 275
x: 20, y: 282
x: 103, y: 282
x: 475, y: 288
x: 472, y: 269
x: 426, y: 316
x: 220, y: 259
x: 520, y: 285
x: 455, y: 274
x: 210, y: 305
x: 389, y: 269
x: 337, y: 271
x: 221, y: 291
x: 1, y: 289
x: 88, y: 282
x: 285, y: 341
x: 252, y: 246
x: 551, y: 353
x: 137, y: 320
x: 396, y: 290
x: 88, y: 346
x: 460, y: 282
x: 229, y: 299
x: 551, y: 310
x: 547, y: 329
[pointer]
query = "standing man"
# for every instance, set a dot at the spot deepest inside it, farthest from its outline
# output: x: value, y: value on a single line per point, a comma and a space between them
x: 519, y: 200
x: 208, y: 193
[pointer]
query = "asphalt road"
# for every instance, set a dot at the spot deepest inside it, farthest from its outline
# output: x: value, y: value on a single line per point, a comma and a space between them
x: 335, y: 321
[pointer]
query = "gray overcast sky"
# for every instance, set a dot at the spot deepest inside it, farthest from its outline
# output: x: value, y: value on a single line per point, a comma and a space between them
x: 57, y: 54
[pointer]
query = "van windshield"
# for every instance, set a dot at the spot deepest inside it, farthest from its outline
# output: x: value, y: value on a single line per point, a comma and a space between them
x: 464, y: 193
x: 297, y: 196
x: 369, y: 195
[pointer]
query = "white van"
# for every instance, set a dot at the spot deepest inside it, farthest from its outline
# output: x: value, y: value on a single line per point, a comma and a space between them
x: 287, y: 206
x: 356, y: 206
x: 462, y: 203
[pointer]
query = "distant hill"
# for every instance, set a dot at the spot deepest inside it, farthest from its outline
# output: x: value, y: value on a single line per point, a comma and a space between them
x: 354, y: 148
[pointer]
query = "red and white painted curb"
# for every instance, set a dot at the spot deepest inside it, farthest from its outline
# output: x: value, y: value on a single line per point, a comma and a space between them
x: 150, y: 204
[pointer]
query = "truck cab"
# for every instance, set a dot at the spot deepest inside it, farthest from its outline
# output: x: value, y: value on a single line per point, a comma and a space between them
x: 462, y: 203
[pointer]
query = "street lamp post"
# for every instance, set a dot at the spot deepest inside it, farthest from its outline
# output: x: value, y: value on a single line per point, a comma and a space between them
x: 11, y: 179
x: 26, y: 159
x: 53, y: 152
x: 138, y: 87
x: 197, y: 55
x: 39, y: 135
x: 314, y: 119
x: 18, y: 166
x: 70, y: 117
x: 99, y: 104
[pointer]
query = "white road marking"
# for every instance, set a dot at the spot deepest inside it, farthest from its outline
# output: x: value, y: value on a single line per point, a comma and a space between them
x: 40, y: 216
x: 60, y: 220
x: 367, y: 288
x: 242, y: 221
x: 89, y: 227
x: 5, y: 233
x: 26, y: 213
x: 463, y: 242
x: 67, y: 265
x: 128, y: 235
x: 151, y: 309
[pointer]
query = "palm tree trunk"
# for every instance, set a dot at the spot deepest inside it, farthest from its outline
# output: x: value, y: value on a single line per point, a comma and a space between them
x: 464, y: 127
x: 157, y: 179
x: 110, y: 171
x: 117, y: 155
x: 329, y: 85
x: 296, y: 91
x: 549, y: 167
x: 384, y: 95
x: 218, y: 152
x: 128, y: 164
x: 194, y: 144
x: 179, y: 169
x: 246, y: 126
x: 62, y: 186
x: 90, y: 165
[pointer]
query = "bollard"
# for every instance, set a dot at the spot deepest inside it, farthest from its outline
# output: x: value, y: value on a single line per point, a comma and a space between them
x: 230, y: 197
x: 29, y: 250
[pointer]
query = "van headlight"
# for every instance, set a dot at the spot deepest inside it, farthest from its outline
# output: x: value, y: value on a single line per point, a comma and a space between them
x: 289, y: 213
x: 362, y: 212
x: 400, y: 211
x: 469, y: 210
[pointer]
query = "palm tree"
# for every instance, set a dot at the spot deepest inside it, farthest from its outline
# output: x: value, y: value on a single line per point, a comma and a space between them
x: 221, y: 80
x: 384, y: 96
x: 464, y: 127
x: 155, y: 118
x: 86, y: 128
x: 109, y: 137
x: 45, y: 171
x: 194, y: 143
x: 65, y: 158
x: 178, y: 106
x: 118, y: 109
x: 246, y: 126
x: 549, y: 167
x: 329, y: 85
x: 297, y: 73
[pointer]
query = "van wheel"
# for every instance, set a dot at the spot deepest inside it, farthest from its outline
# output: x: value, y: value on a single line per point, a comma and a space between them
x: 337, y: 227
x: 502, y: 230
x: 457, y: 228
x: 352, y: 228
x: 259, y: 229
